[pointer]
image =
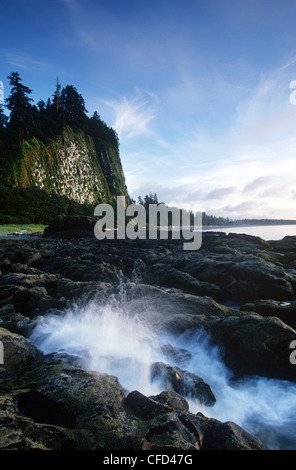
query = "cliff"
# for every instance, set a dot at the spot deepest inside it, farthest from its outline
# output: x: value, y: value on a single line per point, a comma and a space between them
x: 68, y: 174
x: 73, y: 165
x: 55, y: 160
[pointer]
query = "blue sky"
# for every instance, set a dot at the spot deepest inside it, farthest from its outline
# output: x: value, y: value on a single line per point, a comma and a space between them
x: 198, y: 91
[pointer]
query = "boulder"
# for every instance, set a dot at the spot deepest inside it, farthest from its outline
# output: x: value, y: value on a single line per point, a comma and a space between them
x: 53, y: 405
x: 224, y: 436
x: 71, y: 227
x: 18, y: 352
x: 256, y: 345
x: 285, y: 245
x: 285, y: 311
x: 168, y: 276
x: 172, y: 399
x: 44, y: 275
x: 183, y: 382
x: 143, y: 407
x: 15, y: 323
x: 42, y: 408
x: 176, y: 355
x: 242, y: 277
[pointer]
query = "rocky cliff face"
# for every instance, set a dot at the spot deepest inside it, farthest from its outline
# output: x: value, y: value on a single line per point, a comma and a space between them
x: 73, y: 165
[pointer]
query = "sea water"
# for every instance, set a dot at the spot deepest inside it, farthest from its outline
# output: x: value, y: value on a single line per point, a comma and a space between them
x: 266, y: 232
x: 113, y: 338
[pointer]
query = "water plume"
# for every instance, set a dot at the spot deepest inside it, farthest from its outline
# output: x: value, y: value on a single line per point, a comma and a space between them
x: 117, y: 335
x: 107, y: 337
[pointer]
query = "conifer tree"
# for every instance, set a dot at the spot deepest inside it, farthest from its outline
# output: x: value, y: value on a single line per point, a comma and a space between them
x: 72, y: 106
x: 19, y: 105
x: 3, y: 117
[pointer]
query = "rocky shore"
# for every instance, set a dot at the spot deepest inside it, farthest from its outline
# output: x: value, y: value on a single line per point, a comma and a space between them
x: 237, y: 288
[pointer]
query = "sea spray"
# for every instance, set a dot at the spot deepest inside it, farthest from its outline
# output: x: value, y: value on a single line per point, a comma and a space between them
x: 265, y: 407
x: 115, y: 334
x: 107, y: 338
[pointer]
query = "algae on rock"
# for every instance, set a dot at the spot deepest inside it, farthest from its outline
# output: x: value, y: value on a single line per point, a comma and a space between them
x: 73, y: 165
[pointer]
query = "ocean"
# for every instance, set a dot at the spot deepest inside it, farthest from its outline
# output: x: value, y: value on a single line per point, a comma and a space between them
x: 266, y: 232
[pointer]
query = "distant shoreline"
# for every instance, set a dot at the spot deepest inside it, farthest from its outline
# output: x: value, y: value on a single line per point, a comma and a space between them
x: 260, y: 223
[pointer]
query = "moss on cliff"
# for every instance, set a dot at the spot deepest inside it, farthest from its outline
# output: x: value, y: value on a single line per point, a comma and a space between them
x: 73, y: 166
x: 69, y: 174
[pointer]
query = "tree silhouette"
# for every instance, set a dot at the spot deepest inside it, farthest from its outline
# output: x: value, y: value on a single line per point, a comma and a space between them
x: 3, y: 118
x: 20, y: 107
x: 72, y: 106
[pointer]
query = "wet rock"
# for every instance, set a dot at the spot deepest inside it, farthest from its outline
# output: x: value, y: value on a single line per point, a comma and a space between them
x: 243, y: 277
x: 15, y: 323
x: 179, y: 311
x: 256, y: 345
x: 18, y: 352
x: 285, y: 311
x: 53, y: 405
x: 32, y: 301
x: 44, y: 409
x: 6, y: 310
x: 71, y: 227
x: 143, y: 407
x: 169, y: 432
x: 183, y: 382
x: 168, y: 276
x: 249, y: 343
x: 172, y: 400
x: 224, y: 436
x: 176, y: 355
x: 287, y: 244
x: 44, y: 276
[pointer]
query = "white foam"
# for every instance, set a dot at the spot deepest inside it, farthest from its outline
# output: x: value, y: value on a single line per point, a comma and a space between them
x: 118, y: 341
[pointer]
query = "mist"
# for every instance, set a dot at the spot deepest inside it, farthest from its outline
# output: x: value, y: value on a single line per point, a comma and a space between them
x: 111, y: 337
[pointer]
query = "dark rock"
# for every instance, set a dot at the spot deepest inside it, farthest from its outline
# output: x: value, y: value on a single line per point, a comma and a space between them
x: 71, y: 227
x: 289, y: 261
x: 255, y: 345
x: 172, y: 400
x: 19, y: 352
x: 176, y: 355
x: 6, y: 310
x: 44, y: 409
x: 168, y: 431
x: 224, y: 436
x: 287, y: 244
x: 183, y: 382
x: 32, y: 301
x: 164, y: 275
x: 243, y: 277
x: 143, y: 407
x: 285, y: 311
x: 15, y: 323
x: 45, y: 275
x: 53, y: 405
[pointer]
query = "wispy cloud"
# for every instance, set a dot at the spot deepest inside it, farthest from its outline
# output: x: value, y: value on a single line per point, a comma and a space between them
x: 260, y: 183
x: 218, y: 130
x: 221, y: 193
x: 288, y: 63
x: 248, y: 172
x: 25, y: 61
x: 133, y: 116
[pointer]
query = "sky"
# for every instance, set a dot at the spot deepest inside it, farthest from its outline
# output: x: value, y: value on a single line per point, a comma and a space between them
x: 200, y: 92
